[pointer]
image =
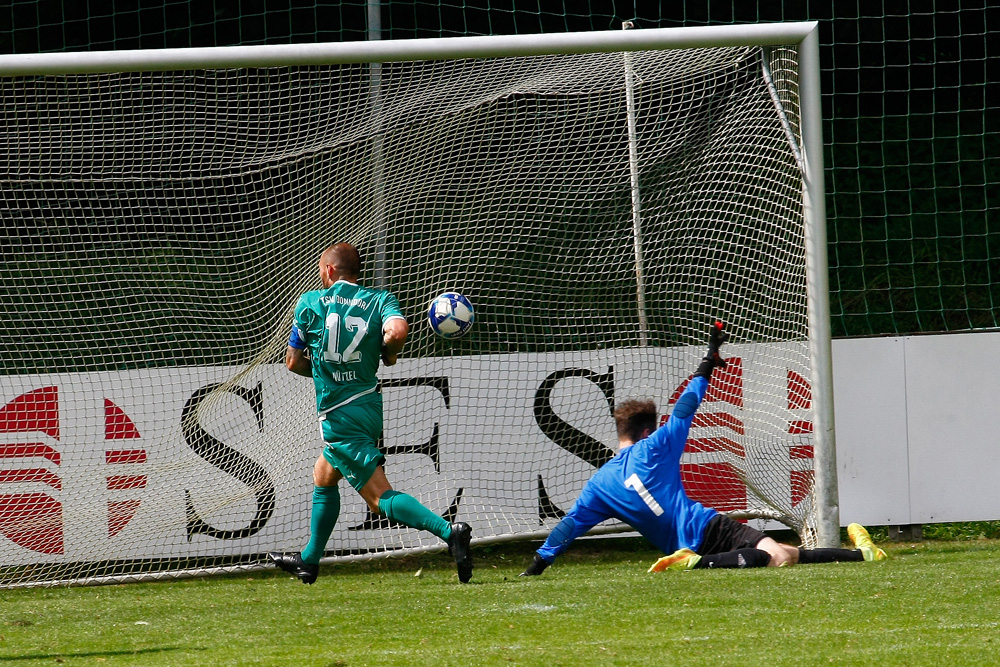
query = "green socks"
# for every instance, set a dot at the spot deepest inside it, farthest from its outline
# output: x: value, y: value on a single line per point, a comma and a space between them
x: 397, y: 506
x: 325, y: 510
x: 407, y: 510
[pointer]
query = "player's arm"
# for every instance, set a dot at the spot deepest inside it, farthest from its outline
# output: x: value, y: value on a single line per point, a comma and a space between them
x: 394, y: 333
x: 295, y: 356
x: 689, y: 401
x: 672, y: 436
x: 579, y: 520
x: 558, y: 540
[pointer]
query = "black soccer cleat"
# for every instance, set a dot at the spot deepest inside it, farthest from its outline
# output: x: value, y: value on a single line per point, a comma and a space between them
x: 293, y: 564
x: 458, y: 547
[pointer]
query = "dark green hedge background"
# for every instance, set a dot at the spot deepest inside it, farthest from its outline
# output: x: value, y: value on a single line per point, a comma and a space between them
x: 911, y: 106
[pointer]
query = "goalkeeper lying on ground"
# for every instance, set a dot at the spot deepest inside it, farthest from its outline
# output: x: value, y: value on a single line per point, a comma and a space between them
x: 642, y: 487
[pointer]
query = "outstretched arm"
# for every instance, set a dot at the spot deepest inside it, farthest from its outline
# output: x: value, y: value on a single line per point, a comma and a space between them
x: 579, y: 520
x: 672, y: 436
x: 558, y: 540
x: 691, y: 398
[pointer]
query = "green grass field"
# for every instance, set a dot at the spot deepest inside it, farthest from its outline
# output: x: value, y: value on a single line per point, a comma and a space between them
x: 933, y: 603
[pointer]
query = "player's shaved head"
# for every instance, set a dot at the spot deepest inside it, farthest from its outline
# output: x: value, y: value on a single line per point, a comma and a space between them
x: 345, y: 260
x: 633, y: 418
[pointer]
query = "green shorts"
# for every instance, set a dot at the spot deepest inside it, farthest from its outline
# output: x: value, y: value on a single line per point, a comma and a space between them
x: 351, y: 434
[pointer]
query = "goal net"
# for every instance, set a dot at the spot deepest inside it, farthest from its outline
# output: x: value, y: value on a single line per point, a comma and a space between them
x: 599, y: 209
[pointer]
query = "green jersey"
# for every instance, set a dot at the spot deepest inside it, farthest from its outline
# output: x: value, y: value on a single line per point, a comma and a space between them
x: 342, y: 327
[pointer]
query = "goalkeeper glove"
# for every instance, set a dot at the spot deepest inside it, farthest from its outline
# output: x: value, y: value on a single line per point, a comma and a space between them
x: 712, y: 360
x: 537, y: 566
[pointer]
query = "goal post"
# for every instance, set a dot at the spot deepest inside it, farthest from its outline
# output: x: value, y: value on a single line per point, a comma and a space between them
x: 826, y: 503
x: 379, y: 51
x: 164, y: 209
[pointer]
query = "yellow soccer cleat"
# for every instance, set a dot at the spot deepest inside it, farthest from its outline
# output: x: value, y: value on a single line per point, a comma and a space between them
x: 682, y: 559
x: 863, y: 541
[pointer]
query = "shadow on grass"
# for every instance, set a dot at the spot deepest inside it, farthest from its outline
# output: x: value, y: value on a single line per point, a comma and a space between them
x: 93, y: 654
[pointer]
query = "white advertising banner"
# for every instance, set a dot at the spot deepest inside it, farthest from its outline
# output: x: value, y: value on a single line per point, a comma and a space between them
x: 192, y: 462
x: 202, y: 461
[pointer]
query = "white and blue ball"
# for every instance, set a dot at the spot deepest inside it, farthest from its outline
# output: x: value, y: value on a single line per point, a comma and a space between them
x: 450, y: 315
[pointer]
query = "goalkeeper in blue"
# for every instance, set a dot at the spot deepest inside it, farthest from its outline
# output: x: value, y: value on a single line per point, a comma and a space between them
x: 642, y: 487
x: 338, y: 336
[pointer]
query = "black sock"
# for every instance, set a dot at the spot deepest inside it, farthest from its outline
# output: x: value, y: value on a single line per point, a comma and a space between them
x: 829, y: 555
x: 739, y: 558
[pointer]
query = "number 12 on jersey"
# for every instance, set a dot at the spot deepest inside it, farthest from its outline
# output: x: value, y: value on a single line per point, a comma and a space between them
x: 636, y: 484
x: 356, y: 324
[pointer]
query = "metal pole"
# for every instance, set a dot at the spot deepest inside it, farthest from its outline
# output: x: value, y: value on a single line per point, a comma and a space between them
x: 825, y: 493
x: 378, y: 153
x: 633, y: 168
x: 396, y: 50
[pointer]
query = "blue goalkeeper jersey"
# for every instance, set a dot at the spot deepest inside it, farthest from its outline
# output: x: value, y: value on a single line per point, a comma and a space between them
x: 642, y: 487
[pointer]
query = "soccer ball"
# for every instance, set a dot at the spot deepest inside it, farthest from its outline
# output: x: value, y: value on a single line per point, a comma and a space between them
x: 450, y: 315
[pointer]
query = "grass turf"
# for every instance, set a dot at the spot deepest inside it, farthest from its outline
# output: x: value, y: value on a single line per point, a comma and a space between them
x: 932, y: 603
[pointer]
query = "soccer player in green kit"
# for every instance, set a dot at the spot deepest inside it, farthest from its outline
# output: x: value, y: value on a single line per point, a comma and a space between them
x: 346, y: 328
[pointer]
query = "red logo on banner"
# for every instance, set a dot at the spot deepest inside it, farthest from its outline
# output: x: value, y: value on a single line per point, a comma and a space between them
x: 34, y: 519
x: 800, y: 398
x: 118, y: 426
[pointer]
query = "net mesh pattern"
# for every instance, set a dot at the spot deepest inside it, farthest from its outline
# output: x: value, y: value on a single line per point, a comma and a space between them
x: 160, y: 226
